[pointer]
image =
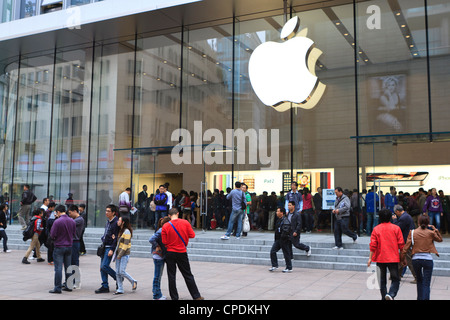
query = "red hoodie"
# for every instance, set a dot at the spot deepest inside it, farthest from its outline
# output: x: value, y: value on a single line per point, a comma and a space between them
x: 171, y: 239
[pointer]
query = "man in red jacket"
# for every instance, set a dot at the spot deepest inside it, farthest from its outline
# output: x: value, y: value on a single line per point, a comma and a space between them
x: 175, y: 236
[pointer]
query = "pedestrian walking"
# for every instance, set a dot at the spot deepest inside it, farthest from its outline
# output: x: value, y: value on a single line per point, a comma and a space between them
x: 3, y: 225
x: 109, y: 241
x: 386, y: 242
x: 342, y: 215
x: 283, y: 231
x: 296, y: 223
x: 175, y: 236
x: 421, y: 240
x: 62, y: 232
x: 37, y: 230
x: 27, y: 200
x: 406, y: 224
x: 238, y: 204
x: 159, y: 254
x: 122, y: 254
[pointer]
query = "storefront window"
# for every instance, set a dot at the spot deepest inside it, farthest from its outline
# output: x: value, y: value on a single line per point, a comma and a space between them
x: 27, y: 8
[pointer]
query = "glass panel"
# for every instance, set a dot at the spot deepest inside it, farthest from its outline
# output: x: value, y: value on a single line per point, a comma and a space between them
x: 111, y: 128
x: 263, y: 159
x: 8, y: 101
x: 33, y: 125
x: 71, y: 122
x: 79, y: 2
x: 439, y: 36
x: 27, y: 8
x: 6, y: 10
x: 393, y: 89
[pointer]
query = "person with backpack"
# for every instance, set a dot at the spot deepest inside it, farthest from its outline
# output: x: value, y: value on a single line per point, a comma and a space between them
x: 3, y: 225
x: 283, y: 231
x: 37, y: 227
x: 27, y: 200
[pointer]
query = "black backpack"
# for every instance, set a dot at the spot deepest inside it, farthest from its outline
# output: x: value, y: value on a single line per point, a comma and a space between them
x: 29, y: 230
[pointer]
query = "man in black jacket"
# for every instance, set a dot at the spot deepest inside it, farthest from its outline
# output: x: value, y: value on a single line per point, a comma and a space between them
x: 296, y: 222
x: 25, y: 206
x: 109, y: 240
x: 282, y: 230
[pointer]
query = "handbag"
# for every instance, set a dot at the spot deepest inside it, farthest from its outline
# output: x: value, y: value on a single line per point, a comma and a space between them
x: 101, y: 250
x: 246, y: 224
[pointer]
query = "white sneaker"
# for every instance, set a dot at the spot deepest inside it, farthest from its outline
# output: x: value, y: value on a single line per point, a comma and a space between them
x: 308, y: 253
x: 225, y: 237
x: 273, y: 269
x: 238, y: 238
x: 162, y: 298
x: 388, y: 297
x: 355, y: 241
x: 7, y: 251
x: 287, y: 270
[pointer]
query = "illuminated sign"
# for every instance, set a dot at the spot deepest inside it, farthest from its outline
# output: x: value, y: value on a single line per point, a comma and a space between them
x: 283, y: 74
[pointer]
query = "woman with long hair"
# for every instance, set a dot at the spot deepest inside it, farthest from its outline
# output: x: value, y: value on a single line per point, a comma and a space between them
x: 422, y: 242
x: 122, y: 254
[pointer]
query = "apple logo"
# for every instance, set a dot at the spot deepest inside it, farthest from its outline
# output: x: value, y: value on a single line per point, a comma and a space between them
x: 283, y: 74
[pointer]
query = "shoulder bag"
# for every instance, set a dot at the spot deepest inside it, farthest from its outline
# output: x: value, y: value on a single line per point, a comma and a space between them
x: 178, y: 233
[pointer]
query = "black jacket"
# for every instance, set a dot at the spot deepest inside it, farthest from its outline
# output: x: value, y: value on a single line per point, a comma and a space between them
x: 3, y: 220
x: 28, y: 197
x: 296, y: 222
x: 111, y: 229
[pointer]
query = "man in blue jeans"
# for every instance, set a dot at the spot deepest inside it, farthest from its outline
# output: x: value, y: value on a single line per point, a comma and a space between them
x: 237, y: 197
x: 62, y: 232
x: 109, y: 239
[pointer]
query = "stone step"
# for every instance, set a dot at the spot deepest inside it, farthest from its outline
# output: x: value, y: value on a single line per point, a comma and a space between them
x: 255, y: 250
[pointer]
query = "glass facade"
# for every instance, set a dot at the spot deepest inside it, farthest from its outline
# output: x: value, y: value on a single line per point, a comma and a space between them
x: 96, y: 119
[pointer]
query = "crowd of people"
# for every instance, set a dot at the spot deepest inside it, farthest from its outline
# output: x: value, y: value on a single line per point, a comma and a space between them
x: 402, y: 228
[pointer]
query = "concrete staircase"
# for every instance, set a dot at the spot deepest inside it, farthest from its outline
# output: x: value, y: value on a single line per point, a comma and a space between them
x: 255, y: 249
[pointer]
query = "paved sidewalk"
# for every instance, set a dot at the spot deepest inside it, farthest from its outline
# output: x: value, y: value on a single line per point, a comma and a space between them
x: 216, y: 281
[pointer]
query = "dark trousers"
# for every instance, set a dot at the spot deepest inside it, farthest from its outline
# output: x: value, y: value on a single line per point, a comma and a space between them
x: 286, y: 247
x: 340, y: 227
x: 5, y: 239
x: 424, y: 271
x: 309, y: 218
x: 382, y: 278
x: 180, y: 260
x: 296, y: 243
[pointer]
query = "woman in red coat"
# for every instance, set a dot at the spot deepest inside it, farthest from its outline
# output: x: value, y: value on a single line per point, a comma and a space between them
x: 386, y: 242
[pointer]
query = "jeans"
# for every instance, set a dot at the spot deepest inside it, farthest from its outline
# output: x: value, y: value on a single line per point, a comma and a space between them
x: 395, y: 284
x: 435, y: 217
x: 286, y: 247
x: 76, y: 253
x: 235, y: 214
x: 105, y: 269
x: 424, y: 271
x: 372, y: 221
x: 61, y: 255
x: 121, y: 273
x: 180, y: 260
x: 158, y: 215
x: 340, y: 227
x: 159, y: 268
